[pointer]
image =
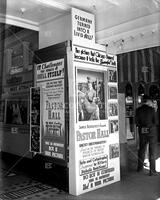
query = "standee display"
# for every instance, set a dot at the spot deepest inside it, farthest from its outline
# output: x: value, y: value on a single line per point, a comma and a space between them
x: 78, y: 125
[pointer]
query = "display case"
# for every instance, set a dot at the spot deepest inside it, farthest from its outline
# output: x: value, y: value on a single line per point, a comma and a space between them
x: 17, y: 79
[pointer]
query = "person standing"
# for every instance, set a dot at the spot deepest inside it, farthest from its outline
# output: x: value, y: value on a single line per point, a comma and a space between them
x: 146, y: 121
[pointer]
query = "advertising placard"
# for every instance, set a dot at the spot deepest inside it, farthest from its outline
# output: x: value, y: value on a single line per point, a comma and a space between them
x: 91, y: 95
x: 17, y: 111
x: 35, y: 128
x: 53, y: 120
x: 92, y: 155
x: 112, y: 92
x: 94, y: 56
x: 48, y: 71
x: 83, y: 27
x: 95, y: 162
x: 112, y: 76
x: 50, y: 76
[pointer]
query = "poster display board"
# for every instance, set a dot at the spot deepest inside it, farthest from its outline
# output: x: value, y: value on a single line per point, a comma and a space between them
x: 35, y: 128
x: 50, y: 77
x: 93, y: 109
x: 83, y: 27
x: 94, y: 158
x: 53, y: 120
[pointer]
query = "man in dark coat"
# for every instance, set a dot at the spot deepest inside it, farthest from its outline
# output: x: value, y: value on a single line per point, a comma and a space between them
x: 146, y: 122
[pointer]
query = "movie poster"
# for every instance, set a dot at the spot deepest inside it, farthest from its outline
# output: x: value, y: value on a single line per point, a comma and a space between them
x: 53, y: 120
x: 112, y: 109
x: 113, y: 126
x: 113, y: 150
x: 35, y: 139
x: 94, y: 153
x: 112, y: 92
x: 35, y: 129
x: 17, y: 111
x: 112, y: 76
x: 93, y: 90
x: 90, y: 95
x: 50, y: 76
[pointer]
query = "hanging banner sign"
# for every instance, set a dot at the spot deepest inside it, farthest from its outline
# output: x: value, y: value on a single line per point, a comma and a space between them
x: 83, y: 27
x: 87, y: 55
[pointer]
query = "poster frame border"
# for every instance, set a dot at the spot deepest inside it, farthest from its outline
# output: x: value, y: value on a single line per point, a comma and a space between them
x: 40, y: 128
x: 90, y: 67
x: 65, y: 57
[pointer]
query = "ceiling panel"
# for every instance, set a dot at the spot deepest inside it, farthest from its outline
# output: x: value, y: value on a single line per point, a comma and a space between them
x: 91, y: 5
x: 114, y: 11
x: 30, y: 10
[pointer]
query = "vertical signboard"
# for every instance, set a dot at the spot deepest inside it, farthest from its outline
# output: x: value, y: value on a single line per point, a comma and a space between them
x: 83, y: 27
x: 94, y: 159
x: 35, y: 128
x: 53, y: 120
x: 50, y: 77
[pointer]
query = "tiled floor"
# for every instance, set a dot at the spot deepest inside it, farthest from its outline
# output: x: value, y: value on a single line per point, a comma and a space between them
x: 133, y: 186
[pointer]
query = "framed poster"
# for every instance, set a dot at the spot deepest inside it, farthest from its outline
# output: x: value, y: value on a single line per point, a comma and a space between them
x: 53, y: 120
x: 112, y: 109
x: 112, y: 75
x: 92, y: 105
x: 112, y: 92
x: 35, y: 125
x: 113, y: 126
x: 90, y: 95
x: 35, y: 139
x: 17, y: 111
x: 114, y: 150
x: 91, y: 130
x: 50, y: 77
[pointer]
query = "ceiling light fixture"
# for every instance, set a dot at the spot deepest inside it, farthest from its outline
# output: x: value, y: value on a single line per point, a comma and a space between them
x: 94, y: 8
x: 22, y: 10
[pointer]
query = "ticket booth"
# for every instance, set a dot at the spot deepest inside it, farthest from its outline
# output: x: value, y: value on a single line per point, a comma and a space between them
x: 17, y: 78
